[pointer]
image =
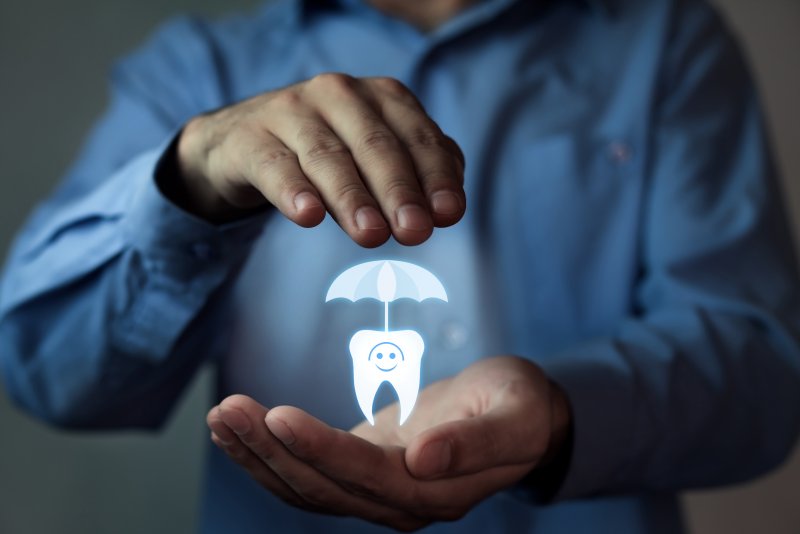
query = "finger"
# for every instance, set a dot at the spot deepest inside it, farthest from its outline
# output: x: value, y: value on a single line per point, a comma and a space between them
x: 276, y: 173
x: 244, y: 417
x: 442, y: 177
x: 326, y: 161
x: 379, y: 473
x: 461, y: 162
x: 437, y: 159
x: 367, y: 469
x: 247, y: 418
x: 380, y: 157
x: 478, y: 443
x: 245, y: 458
x: 225, y: 435
x: 224, y: 438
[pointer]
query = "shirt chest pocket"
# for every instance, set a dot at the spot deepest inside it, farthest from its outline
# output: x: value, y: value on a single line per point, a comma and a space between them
x: 569, y: 208
x: 572, y: 186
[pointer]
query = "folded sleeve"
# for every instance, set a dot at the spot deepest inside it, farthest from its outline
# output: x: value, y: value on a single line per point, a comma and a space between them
x: 701, y: 385
x: 106, y: 298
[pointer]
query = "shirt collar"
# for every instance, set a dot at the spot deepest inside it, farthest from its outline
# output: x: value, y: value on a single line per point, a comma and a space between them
x: 305, y: 6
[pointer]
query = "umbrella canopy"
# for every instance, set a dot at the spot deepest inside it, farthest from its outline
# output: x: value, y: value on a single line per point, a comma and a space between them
x: 386, y: 280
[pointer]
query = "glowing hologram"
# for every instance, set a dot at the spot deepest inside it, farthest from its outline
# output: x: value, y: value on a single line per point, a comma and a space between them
x: 399, y: 280
x: 386, y: 356
x: 387, y: 281
x: 378, y: 358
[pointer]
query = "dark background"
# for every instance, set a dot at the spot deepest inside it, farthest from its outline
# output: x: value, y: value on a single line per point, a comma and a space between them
x: 54, y: 57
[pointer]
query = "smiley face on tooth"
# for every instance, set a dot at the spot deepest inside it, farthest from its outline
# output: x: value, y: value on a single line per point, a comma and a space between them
x: 386, y: 356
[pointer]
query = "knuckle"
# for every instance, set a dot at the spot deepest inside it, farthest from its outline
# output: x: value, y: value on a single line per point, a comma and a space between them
x: 318, y: 141
x: 428, y: 138
x: 238, y: 137
x: 325, y: 147
x: 378, y: 140
x: 287, y: 99
x: 400, y: 190
x: 333, y: 81
x: 392, y: 87
x: 273, y: 156
x: 349, y: 191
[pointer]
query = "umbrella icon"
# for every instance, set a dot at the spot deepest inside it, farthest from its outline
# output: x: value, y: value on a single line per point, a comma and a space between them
x: 386, y: 356
x: 387, y: 281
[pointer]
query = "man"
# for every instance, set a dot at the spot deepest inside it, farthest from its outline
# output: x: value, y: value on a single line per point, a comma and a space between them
x: 623, y: 322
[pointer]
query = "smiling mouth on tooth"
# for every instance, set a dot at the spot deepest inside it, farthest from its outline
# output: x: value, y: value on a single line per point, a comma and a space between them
x: 407, y: 347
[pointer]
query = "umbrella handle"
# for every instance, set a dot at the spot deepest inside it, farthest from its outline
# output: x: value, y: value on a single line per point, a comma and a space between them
x: 386, y: 316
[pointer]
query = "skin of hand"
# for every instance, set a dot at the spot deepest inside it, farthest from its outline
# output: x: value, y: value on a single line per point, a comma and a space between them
x: 362, y: 149
x: 469, y: 436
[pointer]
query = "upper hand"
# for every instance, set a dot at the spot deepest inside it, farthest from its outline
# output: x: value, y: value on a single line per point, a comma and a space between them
x: 362, y: 149
x: 468, y: 437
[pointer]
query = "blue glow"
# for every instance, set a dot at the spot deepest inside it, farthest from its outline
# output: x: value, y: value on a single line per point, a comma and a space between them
x: 386, y: 281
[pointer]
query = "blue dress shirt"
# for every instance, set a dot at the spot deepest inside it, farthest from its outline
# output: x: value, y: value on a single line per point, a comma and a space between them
x: 624, y: 230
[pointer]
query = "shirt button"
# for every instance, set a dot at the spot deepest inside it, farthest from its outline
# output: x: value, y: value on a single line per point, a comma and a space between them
x: 619, y: 152
x: 453, y: 335
x: 203, y: 251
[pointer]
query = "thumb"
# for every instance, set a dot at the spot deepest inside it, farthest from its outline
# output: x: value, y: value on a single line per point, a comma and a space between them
x: 497, y: 438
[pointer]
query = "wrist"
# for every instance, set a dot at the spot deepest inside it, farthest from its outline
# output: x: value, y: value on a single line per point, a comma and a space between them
x: 182, y: 179
x: 544, y: 480
x: 560, y: 424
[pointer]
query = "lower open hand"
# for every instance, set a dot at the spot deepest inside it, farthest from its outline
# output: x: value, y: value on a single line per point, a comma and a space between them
x: 469, y: 437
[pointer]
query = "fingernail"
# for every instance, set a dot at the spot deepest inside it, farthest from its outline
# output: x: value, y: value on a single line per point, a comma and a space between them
x: 436, y: 458
x: 305, y: 200
x: 236, y: 420
x: 219, y: 438
x: 280, y: 430
x: 413, y: 217
x: 445, y: 203
x: 368, y: 218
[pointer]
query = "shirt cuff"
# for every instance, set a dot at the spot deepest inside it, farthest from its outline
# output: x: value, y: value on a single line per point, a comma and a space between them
x: 176, y: 239
x: 184, y: 257
x: 601, y: 392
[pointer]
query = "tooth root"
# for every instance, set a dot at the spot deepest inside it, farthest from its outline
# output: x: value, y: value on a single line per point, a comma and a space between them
x: 407, y: 394
x: 365, y: 398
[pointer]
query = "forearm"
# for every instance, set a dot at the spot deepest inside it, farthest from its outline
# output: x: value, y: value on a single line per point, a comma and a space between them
x: 106, y: 306
x: 684, y: 398
x: 701, y: 385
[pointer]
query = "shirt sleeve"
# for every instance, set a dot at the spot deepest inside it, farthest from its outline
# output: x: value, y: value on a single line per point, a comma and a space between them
x: 701, y: 386
x: 108, y: 286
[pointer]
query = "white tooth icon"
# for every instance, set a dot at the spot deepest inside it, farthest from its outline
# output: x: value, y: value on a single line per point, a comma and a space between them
x: 393, y: 357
